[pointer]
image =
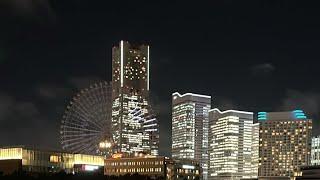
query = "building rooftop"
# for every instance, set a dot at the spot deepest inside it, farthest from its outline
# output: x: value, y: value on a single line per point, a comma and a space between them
x: 280, y: 116
x: 177, y: 97
x: 41, y: 149
x: 230, y: 111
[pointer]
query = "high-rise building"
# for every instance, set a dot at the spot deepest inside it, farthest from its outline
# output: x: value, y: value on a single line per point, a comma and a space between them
x: 255, y: 149
x: 190, y: 128
x: 315, y: 151
x: 230, y: 145
x: 285, y: 143
x: 134, y: 126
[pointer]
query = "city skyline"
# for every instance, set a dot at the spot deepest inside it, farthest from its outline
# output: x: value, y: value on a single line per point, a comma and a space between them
x: 45, y: 60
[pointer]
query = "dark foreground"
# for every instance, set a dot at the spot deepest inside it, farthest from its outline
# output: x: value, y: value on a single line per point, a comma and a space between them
x: 64, y: 176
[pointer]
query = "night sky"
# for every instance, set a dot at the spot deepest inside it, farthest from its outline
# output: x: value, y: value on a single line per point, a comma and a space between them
x: 248, y: 55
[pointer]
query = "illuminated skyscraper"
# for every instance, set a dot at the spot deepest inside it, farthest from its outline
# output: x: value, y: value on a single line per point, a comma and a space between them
x: 190, y: 128
x: 255, y: 148
x: 285, y: 142
x: 231, y: 149
x: 134, y: 126
x: 315, y: 151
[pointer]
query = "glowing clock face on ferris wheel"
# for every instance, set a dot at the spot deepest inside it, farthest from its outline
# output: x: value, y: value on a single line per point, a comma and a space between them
x: 87, y: 120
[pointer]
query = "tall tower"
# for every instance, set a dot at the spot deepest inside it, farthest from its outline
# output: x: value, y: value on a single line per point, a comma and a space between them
x: 285, y: 142
x: 134, y: 126
x: 190, y: 128
x: 230, y: 145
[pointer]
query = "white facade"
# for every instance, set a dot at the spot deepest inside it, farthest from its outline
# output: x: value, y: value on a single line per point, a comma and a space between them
x: 190, y: 128
x: 230, y: 145
x: 315, y: 151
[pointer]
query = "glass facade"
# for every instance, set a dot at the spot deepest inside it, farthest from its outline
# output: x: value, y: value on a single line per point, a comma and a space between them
x: 134, y: 124
x: 190, y: 128
x: 255, y: 148
x: 284, y: 143
x: 231, y: 145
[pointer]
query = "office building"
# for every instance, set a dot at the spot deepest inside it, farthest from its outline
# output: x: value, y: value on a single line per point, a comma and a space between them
x: 32, y: 161
x: 315, y: 151
x: 190, y: 128
x: 134, y: 125
x: 285, y: 143
x: 153, y: 167
x: 255, y: 149
x: 231, y: 152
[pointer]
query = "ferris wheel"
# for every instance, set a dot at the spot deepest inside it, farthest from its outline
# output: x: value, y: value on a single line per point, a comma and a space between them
x: 87, y: 120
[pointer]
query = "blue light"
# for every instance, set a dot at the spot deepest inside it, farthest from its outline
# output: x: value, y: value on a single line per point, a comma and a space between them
x: 299, y: 114
x: 298, y: 111
x: 301, y: 117
x: 262, y: 115
x: 262, y: 118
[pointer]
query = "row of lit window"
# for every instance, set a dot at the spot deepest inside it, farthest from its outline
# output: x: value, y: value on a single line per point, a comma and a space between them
x: 134, y: 170
x: 135, y: 163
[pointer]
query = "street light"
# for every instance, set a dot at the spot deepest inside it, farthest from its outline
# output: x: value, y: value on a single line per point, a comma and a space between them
x: 105, y: 147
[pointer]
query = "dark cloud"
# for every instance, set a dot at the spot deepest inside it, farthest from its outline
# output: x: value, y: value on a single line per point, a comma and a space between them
x: 223, y: 104
x: 36, y: 121
x: 83, y: 82
x: 50, y: 91
x: 262, y: 69
x: 22, y: 119
x: 28, y: 6
x: 6, y: 104
x: 308, y: 101
x: 27, y: 109
x: 31, y: 9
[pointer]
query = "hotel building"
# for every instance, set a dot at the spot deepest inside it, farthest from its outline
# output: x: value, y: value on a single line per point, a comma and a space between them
x: 285, y: 143
x: 153, y: 167
x: 190, y: 128
x: 134, y: 125
x: 18, y: 159
x: 315, y: 151
x: 231, y: 148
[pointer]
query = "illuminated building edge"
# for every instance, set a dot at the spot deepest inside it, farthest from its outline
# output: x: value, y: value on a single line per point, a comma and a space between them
x: 233, y: 139
x: 39, y: 161
x: 190, y: 128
